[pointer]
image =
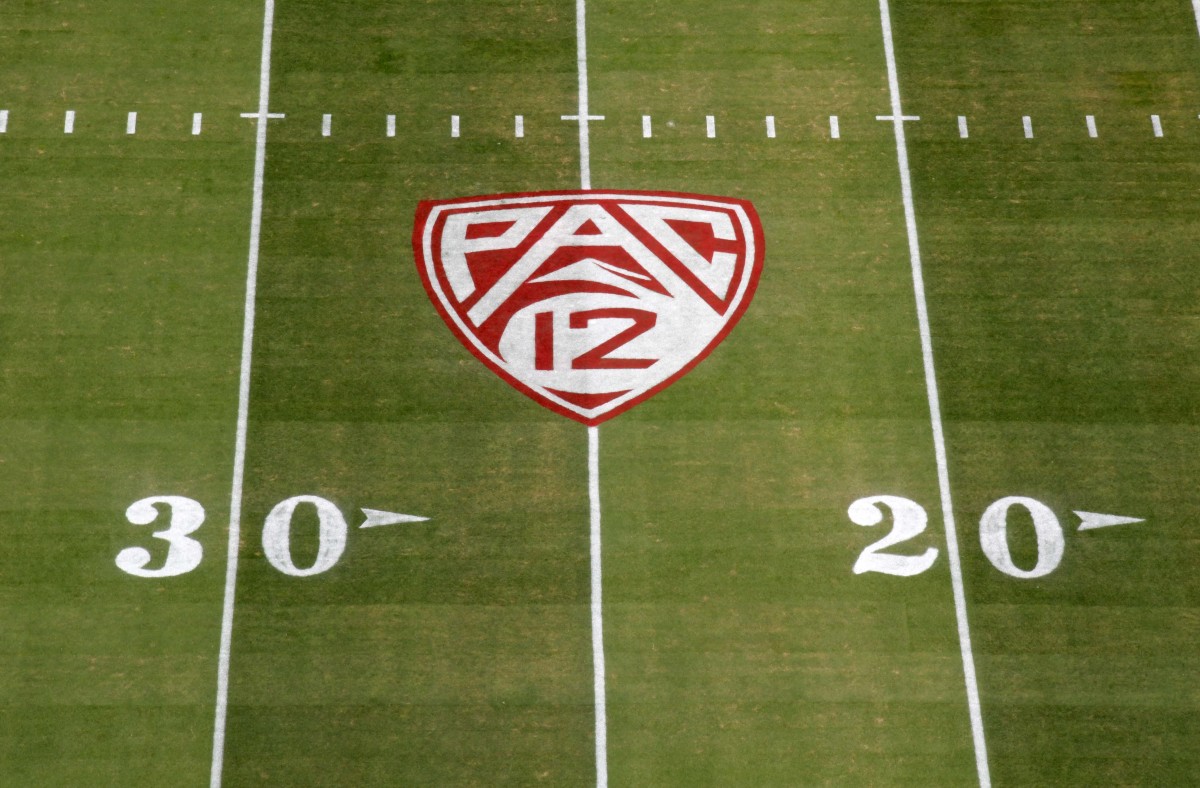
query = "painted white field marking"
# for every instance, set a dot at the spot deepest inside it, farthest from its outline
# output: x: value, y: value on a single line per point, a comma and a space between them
x: 647, y: 127
x: 908, y: 521
x: 519, y: 126
x: 598, y: 678
x: 770, y: 127
x: 454, y: 126
x: 1196, y: 11
x: 1091, y: 126
x: 197, y: 120
x: 391, y: 125
x: 326, y: 125
x: 1156, y: 124
x: 183, y: 552
x: 710, y: 126
x: 962, y: 127
x: 1027, y: 123
x: 239, y: 452
x: 377, y: 517
x: 69, y: 122
x: 835, y: 130
x: 3, y: 121
x: 1091, y: 520
x: 935, y: 408
x: 599, y: 691
x: 131, y: 123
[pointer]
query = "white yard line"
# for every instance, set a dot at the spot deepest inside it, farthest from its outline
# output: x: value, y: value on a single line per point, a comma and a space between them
x: 771, y: 127
x: 326, y: 125
x: 1156, y: 124
x: 1196, y: 11
x: 710, y: 126
x: 963, y: 133
x: 935, y: 409
x: 519, y: 126
x: 239, y: 452
x: 597, y: 599
x: 197, y: 121
x: 1091, y: 126
x: 3, y: 121
x: 835, y: 128
x: 69, y: 122
x: 455, y: 127
x: 597, y: 610
x: 1027, y: 124
x: 131, y: 123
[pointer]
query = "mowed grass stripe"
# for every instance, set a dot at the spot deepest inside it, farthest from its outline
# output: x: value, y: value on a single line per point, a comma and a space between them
x: 466, y: 637
x: 119, y: 369
x: 1057, y: 270
x: 731, y: 488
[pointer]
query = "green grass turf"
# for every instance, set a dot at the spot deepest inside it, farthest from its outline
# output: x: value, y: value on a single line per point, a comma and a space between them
x: 1062, y: 279
x: 741, y: 648
x: 121, y: 282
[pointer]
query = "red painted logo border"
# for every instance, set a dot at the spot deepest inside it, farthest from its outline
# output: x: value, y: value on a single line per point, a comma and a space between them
x: 421, y: 229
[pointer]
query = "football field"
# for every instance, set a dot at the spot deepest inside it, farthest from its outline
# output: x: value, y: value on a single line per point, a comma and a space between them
x: 923, y: 513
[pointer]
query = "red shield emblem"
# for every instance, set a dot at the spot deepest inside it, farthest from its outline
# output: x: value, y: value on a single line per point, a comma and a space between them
x: 591, y: 301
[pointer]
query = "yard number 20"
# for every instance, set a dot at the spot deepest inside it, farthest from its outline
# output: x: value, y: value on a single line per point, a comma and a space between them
x: 909, y: 520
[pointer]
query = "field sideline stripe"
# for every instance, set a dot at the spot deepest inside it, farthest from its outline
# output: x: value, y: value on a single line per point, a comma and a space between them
x: 600, y: 703
x: 935, y: 409
x: 239, y: 452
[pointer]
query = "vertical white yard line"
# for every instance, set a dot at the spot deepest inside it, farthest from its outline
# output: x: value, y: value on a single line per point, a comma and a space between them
x: 771, y: 127
x: 454, y: 126
x: 597, y: 610
x: 647, y: 128
x: 519, y: 126
x: 69, y: 122
x: 599, y: 690
x: 1027, y: 124
x: 239, y: 451
x: 326, y: 125
x: 585, y: 148
x: 1156, y: 125
x: 935, y: 408
x: 1196, y: 11
x: 710, y: 126
x: 131, y: 123
x: 3, y: 121
x: 835, y: 129
x: 197, y: 120
x: 391, y: 125
x: 963, y: 133
x: 1091, y: 126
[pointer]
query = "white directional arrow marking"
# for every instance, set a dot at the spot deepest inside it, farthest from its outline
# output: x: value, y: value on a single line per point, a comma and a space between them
x: 376, y: 517
x: 1090, y: 520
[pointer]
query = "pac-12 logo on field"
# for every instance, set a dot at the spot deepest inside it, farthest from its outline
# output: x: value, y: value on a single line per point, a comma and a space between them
x: 590, y: 301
